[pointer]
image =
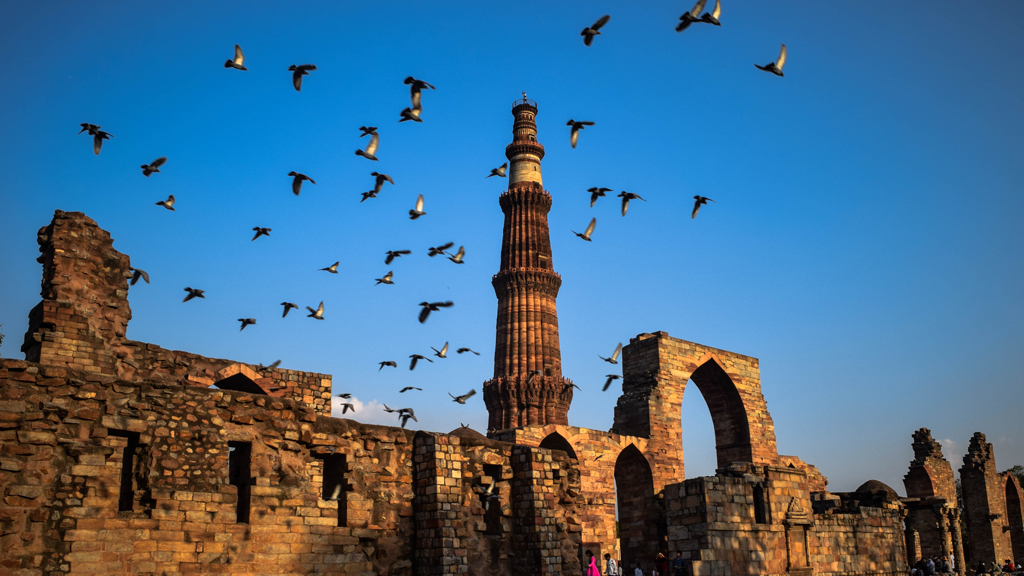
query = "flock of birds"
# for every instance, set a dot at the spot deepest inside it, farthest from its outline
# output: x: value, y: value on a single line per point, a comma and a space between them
x: 413, y: 113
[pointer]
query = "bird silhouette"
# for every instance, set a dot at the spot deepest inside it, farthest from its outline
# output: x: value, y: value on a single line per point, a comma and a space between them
x: 418, y: 210
x: 262, y: 368
x: 416, y: 88
x: 589, y: 32
x: 169, y: 203
x: 345, y: 407
x: 379, y: 180
x: 407, y: 411
x: 297, y: 178
x: 193, y: 293
x: 298, y: 72
x: 499, y: 171
x: 435, y: 250
x: 773, y: 67
x: 407, y: 388
x: 97, y: 140
x: 712, y: 18
x: 238, y: 63
x: 429, y: 307
x: 386, y: 279
x: 245, y: 322
x: 574, y: 132
x: 458, y: 255
x: 136, y: 274
x: 696, y: 205
x: 415, y: 358
x: 596, y: 193
x: 392, y: 254
x: 391, y: 363
x: 371, y: 148
x: 690, y: 17
x: 90, y: 128
x: 413, y: 114
x: 154, y: 166
x: 288, y: 306
x: 386, y: 409
x: 367, y: 130
x: 343, y: 395
x: 442, y: 353
x: 462, y: 399
x: 589, y: 231
x: 405, y: 418
x: 487, y: 493
x: 614, y: 358
x: 260, y: 232
x: 461, y: 350
x: 367, y: 195
x: 318, y: 313
x: 626, y: 197
x: 333, y: 268
x: 608, y: 382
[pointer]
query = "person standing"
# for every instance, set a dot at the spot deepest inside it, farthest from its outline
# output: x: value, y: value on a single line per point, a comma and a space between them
x: 610, y: 567
x: 592, y: 569
x: 637, y: 571
x: 677, y: 565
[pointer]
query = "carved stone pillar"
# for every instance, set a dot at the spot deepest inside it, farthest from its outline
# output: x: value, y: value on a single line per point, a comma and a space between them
x: 959, y: 564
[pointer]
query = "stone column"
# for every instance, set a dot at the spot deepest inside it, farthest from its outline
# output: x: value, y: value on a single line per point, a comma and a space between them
x: 958, y: 544
x: 945, y: 544
x: 537, y: 533
x: 437, y: 505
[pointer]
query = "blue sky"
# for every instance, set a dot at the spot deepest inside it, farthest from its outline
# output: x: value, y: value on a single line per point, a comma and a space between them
x: 865, y: 243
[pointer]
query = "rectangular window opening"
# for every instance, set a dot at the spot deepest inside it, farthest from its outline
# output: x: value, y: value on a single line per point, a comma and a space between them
x: 240, y: 476
x: 129, y: 462
x: 760, y: 505
x: 492, y: 501
x: 335, y: 484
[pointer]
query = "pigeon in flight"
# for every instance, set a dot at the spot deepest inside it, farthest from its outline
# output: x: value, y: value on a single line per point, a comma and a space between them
x: 589, y: 32
x: 418, y: 210
x: 262, y: 368
x: 392, y: 254
x: 411, y: 114
x: 407, y: 412
x: 773, y: 67
x: 169, y: 203
x: 386, y: 279
x: 407, y: 388
x: 288, y: 306
x: 626, y: 197
x: 574, y: 133
x: 429, y: 307
x: 712, y: 18
x: 690, y: 17
x: 193, y: 293
x: 614, y: 359
x: 608, y: 382
x: 388, y: 410
x: 318, y: 313
x: 345, y: 407
x: 90, y: 128
x: 405, y: 418
x: 260, y: 232
x: 458, y: 255
x: 245, y: 322
x: 99, y: 136
x: 596, y: 193
x: 367, y: 130
x: 499, y: 171
x: 415, y: 358
x: 461, y: 350
x: 333, y: 268
x: 435, y: 250
x: 344, y: 395
x: 367, y: 195
x: 379, y: 180
x: 148, y: 169
x: 486, y: 493
x: 238, y: 63
x: 696, y: 205
x: 462, y: 399
x: 136, y: 274
x: 442, y: 353
x: 297, y: 179
x: 371, y: 148
x: 391, y: 363
x: 298, y: 72
x: 589, y: 231
x: 416, y: 87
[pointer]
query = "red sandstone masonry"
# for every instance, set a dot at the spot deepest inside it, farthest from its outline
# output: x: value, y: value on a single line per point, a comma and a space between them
x: 984, y: 504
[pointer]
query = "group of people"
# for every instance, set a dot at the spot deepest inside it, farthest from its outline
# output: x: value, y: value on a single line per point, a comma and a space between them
x: 613, y: 568
x: 993, y: 568
x: 932, y: 566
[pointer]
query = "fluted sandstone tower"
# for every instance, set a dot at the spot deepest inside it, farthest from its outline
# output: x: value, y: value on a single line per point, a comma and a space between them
x: 528, y: 387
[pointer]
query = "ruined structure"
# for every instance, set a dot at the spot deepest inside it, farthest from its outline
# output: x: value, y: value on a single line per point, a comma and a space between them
x: 933, y: 516
x: 992, y: 506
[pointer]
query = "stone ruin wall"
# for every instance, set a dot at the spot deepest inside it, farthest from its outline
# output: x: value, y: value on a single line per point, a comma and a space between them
x: 71, y: 506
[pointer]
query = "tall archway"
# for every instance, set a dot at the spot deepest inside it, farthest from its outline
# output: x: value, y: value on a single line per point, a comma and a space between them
x: 641, y: 525
x: 556, y: 441
x: 728, y: 415
x: 698, y: 436
x: 1015, y: 516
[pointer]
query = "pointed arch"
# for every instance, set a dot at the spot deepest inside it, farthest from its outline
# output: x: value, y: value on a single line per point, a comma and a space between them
x: 728, y: 414
x: 1015, y: 515
x: 240, y: 378
x: 641, y: 525
x: 556, y: 441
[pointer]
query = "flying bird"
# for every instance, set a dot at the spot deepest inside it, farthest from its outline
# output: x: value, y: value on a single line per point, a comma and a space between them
x: 411, y: 114
x: 415, y: 358
x: 773, y: 67
x: 487, y: 493
x: 696, y: 205
x: 344, y: 395
x: 416, y: 87
x: 345, y: 407
x: 148, y: 169
x: 499, y: 171
x: 386, y: 279
x: 435, y: 250
x: 608, y: 382
x: 462, y: 399
x: 458, y: 255
x: 407, y: 412
x: 589, y: 32
x: 405, y: 418
x: 533, y: 374
x: 429, y: 307
x: 574, y: 133
x: 298, y: 72
x: 238, y: 63
x: 245, y: 322
x: 626, y: 197
x: 461, y: 350
x: 614, y: 359
x: 193, y: 293
x: 391, y: 363
x: 262, y: 368
x: 371, y: 148
x: 297, y: 179
x: 367, y: 195
x: 442, y: 353
x: 260, y: 232
x: 596, y: 193
x: 418, y: 210
x: 392, y: 254
x: 388, y: 410
x: 136, y: 274
x: 367, y: 130
x: 379, y: 180
x: 712, y: 18
x: 407, y: 388
x: 690, y: 17
x: 169, y: 203
x: 97, y: 140
x: 90, y: 128
x: 318, y: 313
x: 589, y: 231
x: 333, y: 268
x: 288, y: 306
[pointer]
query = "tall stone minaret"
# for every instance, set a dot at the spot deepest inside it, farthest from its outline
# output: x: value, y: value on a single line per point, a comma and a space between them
x: 526, y: 286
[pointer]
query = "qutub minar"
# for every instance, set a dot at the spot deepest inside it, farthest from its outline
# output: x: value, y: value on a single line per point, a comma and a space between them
x: 121, y: 457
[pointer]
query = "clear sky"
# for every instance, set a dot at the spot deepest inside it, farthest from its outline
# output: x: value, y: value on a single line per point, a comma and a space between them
x: 865, y: 242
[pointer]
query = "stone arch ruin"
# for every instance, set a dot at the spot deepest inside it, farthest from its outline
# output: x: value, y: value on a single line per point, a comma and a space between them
x: 1014, y: 514
x: 556, y: 441
x: 641, y: 528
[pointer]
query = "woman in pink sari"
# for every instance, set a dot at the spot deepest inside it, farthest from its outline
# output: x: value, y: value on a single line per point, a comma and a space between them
x: 592, y: 569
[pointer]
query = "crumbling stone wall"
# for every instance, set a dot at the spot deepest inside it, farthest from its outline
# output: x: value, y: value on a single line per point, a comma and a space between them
x: 932, y: 523
x: 984, y: 503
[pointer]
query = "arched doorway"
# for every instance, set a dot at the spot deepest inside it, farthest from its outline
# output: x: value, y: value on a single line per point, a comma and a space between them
x: 1014, y: 516
x: 641, y: 526
x: 556, y: 441
x: 728, y: 415
x: 698, y: 436
x: 239, y: 383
